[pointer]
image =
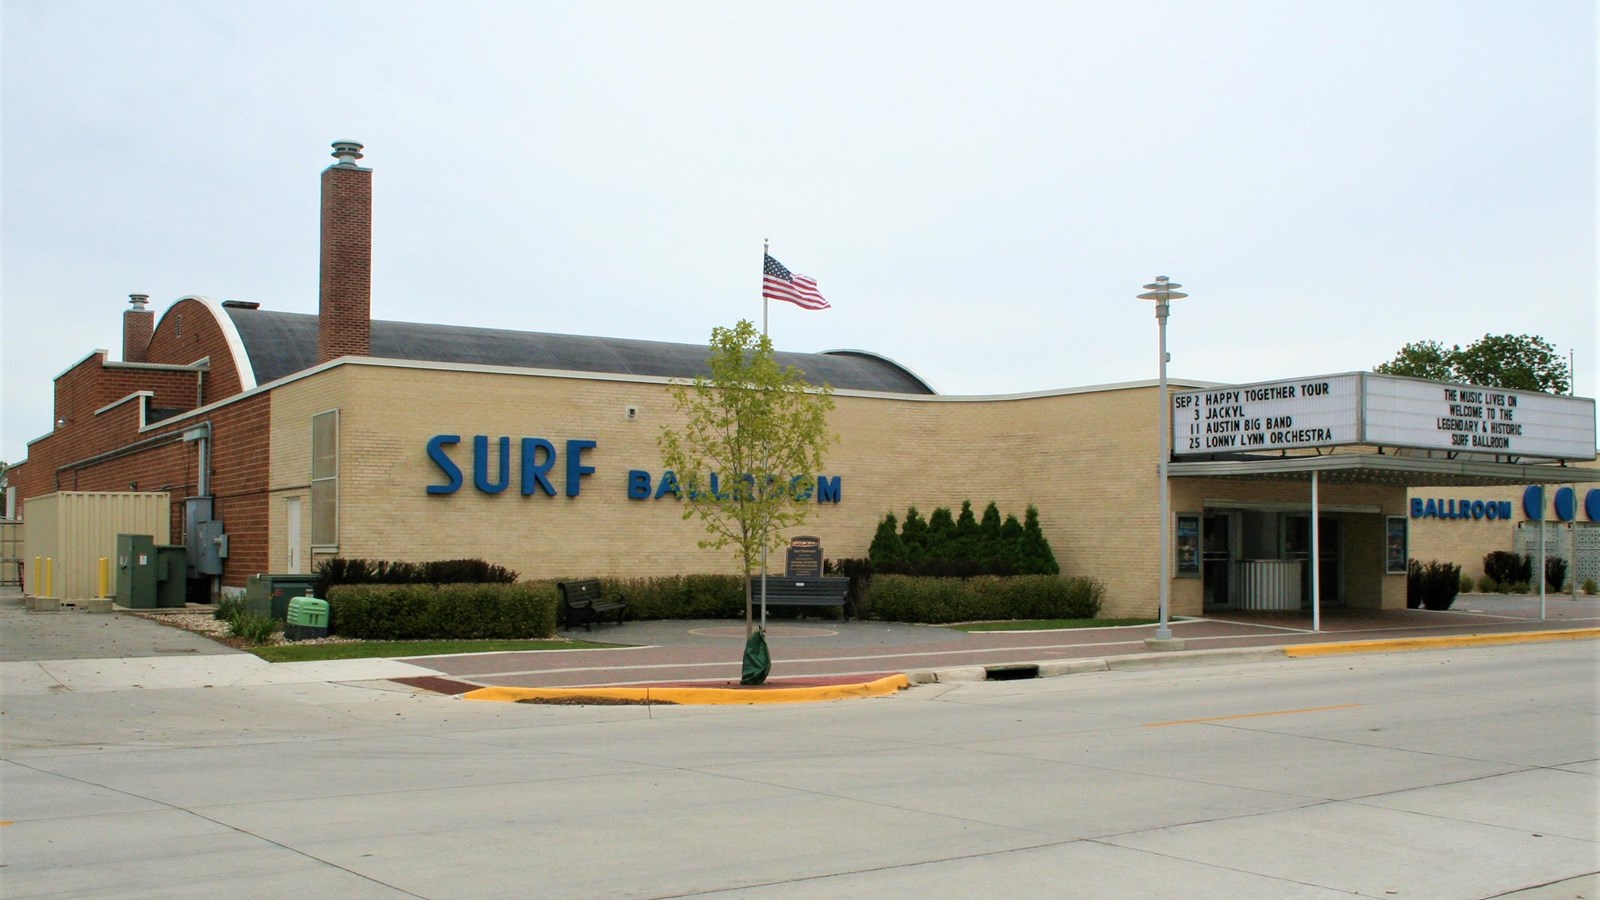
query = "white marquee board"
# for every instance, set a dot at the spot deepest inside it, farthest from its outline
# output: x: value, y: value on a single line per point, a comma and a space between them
x: 1405, y: 412
x: 1322, y: 411
x: 1363, y: 408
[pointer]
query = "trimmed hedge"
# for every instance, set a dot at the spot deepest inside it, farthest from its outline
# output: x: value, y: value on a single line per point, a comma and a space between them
x: 909, y: 598
x: 404, y: 612
x: 681, y: 596
x: 336, y: 571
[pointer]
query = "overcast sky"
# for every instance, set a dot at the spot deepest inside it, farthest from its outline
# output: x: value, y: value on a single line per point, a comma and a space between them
x: 980, y: 189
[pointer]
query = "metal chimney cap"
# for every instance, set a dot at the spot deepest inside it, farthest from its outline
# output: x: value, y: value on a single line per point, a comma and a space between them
x: 138, y: 300
x: 346, y: 152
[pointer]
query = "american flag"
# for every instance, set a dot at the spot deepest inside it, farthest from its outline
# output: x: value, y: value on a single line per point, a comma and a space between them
x: 778, y: 283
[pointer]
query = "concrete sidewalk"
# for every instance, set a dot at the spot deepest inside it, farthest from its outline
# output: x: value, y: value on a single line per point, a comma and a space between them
x: 77, y: 651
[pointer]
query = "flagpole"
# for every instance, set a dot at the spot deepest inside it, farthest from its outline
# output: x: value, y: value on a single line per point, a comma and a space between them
x: 765, y: 244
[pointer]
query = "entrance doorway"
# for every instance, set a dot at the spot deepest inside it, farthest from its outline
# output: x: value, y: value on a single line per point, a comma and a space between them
x: 1217, y: 557
x: 1255, y: 558
x: 1297, y: 546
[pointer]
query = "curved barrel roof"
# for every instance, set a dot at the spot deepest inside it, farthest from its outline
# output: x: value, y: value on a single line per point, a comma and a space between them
x: 282, y: 343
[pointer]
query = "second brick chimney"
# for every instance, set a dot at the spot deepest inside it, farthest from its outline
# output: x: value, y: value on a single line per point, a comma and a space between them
x: 138, y: 324
x: 345, y: 297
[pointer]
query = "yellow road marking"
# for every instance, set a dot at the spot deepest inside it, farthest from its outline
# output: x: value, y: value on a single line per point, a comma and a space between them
x: 696, y: 696
x: 1440, y: 643
x: 1280, y: 712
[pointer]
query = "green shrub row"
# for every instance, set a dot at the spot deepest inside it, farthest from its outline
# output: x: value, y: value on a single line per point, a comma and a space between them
x: 681, y: 596
x: 909, y: 598
x: 336, y: 571
x: 403, y: 612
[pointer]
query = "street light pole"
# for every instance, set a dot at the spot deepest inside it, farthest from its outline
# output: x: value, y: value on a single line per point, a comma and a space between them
x: 1163, y: 292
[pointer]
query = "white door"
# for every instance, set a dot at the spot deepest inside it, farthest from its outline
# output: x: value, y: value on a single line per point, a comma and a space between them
x: 291, y: 513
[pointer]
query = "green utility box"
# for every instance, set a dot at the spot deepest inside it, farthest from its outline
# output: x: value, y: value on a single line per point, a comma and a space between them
x: 150, y: 575
x: 172, y: 576
x: 137, y: 571
x: 269, y: 594
x: 308, y: 618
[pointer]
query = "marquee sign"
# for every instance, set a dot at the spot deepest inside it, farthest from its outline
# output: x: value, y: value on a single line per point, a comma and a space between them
x: 1386, y: 410
x: 1272, y: 415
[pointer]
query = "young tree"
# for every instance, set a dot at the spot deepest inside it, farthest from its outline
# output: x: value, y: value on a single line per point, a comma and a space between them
x: 1516, y: 361
x: 750, y: 447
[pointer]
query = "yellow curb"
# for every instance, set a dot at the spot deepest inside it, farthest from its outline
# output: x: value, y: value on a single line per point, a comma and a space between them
x: 1438, y: 643
x: 691, y: 696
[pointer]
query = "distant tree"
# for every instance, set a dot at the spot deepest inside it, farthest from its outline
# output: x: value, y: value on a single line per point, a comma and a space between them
x: 1422, y: 359
x: 1519, y: 362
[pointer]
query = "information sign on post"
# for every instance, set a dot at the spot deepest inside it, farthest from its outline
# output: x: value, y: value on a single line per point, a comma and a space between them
x: 804, y: 557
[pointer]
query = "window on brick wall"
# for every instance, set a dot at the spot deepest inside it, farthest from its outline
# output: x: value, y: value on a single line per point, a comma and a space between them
x: 325, y: 480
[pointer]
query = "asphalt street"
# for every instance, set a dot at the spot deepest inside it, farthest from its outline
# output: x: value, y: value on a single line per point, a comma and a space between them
x: 1457, y: 773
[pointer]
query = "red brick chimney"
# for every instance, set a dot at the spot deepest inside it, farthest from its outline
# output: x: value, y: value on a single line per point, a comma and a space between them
x: 345, y: 306
x: 138, y: 324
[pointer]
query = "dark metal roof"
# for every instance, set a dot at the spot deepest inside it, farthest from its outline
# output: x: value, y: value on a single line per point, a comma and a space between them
x: 282, y: 343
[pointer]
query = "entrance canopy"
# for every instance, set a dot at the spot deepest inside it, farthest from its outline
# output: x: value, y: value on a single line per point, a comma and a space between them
x: 1386, y: 469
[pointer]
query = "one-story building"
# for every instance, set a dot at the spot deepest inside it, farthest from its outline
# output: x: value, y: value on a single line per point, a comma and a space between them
x: 283, y: 438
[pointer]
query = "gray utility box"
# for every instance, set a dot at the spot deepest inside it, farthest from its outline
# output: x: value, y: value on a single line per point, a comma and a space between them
x: 269, y: 594
x: 150, y: 575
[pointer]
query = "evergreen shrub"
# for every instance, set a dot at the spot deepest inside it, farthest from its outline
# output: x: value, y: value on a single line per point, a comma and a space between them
x: 948, y: 546
x: 1555, y: 572
x: 1508, y: 568
x: 1433, y: 585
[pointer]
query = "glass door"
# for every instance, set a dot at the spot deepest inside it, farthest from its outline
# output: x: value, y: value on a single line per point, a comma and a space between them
x: 1218, y: 540
x: 1297, y: 545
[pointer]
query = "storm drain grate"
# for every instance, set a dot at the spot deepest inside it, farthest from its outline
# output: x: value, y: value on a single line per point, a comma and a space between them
x: 1010, y: 673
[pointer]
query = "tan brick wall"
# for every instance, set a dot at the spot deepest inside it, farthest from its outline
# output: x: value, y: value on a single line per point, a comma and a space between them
x: 1086, y: 460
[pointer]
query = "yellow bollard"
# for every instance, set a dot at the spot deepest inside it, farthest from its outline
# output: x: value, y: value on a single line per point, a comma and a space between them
x: 49, y: 576
x: 105, y: 576
x: 38, y: 575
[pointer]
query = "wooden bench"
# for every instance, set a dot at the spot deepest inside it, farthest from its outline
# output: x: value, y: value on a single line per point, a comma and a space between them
x: 586, y: 603
x: 828, y: 590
